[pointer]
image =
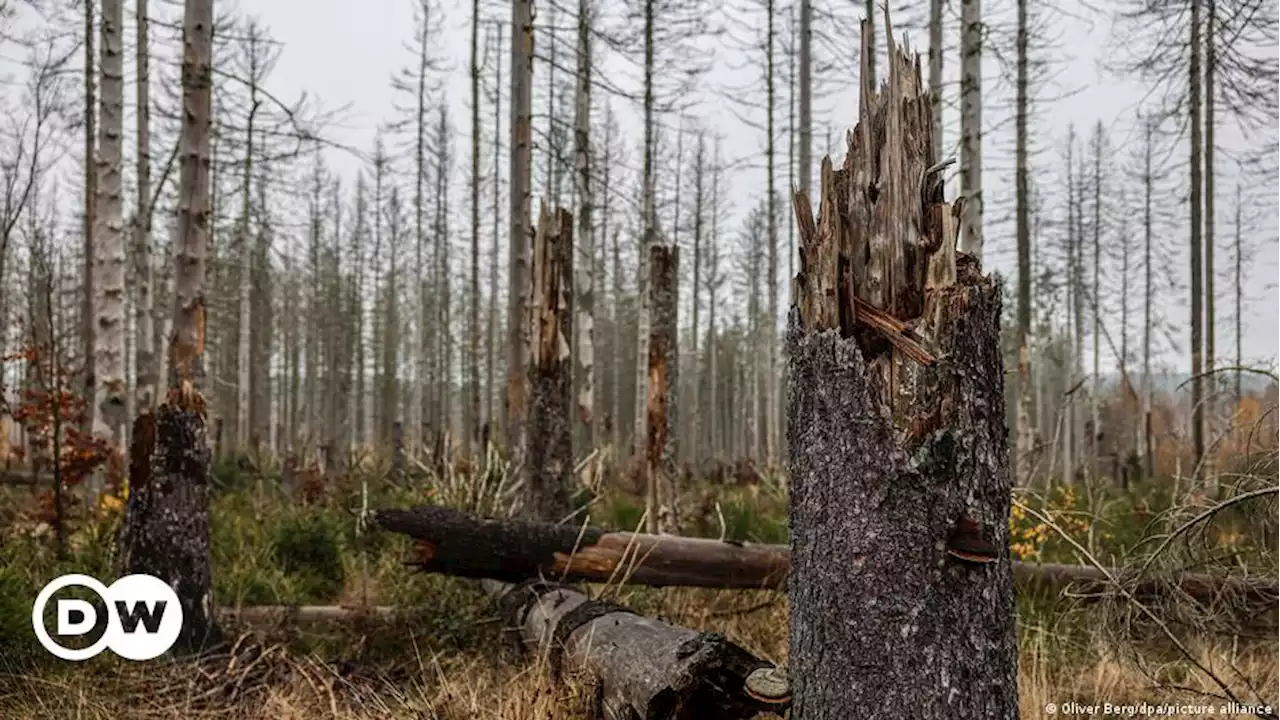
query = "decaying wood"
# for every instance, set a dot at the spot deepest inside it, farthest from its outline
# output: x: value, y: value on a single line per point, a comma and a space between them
x: 888, y: 453
x: 453, y: 542
x: 660, y: 452
x: 549, y: 465
x: 166, y: 531
x: 642, y: 667
x: 456, y: 543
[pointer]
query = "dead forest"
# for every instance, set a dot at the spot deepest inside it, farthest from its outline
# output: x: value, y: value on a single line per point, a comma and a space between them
x: 561, y: 375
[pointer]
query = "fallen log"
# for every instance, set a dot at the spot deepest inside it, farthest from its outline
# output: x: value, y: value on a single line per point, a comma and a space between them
x: 453, y: 542
x: 642, y: 667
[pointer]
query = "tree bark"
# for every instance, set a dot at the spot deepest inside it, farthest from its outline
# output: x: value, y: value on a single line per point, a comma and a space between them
x: 87, y: 345
x: 898, y: 464
x: 648, y: 236
x: 166, y: 527
x: 549, y: 469
x: 935, y: 74
x: 664, y: 354
x: 971, y: 126
x: 1024, y: 436
x: 584, y: 290
x: 642, y: 667
x: 471, y: 402
x: 517, y: 281
x: 453, y: 542
x: 144, y: 272
x: 1197, y: 227
x: 806, y: 94
x: 111, y: 385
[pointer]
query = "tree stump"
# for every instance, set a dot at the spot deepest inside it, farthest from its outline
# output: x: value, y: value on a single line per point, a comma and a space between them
x: 901, y: 588
x: 548, y: 465
x: 662, y: 490
x: 166, y: 524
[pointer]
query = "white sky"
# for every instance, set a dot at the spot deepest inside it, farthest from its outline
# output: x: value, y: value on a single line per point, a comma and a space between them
x: 344, y: 52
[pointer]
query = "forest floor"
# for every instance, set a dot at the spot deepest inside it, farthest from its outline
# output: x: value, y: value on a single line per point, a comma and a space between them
x: 443, y: 654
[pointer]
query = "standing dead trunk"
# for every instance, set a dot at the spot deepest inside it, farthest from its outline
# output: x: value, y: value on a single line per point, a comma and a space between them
x: 90, y: 211
x: 111, y: 385
x: 663, y: 496
x: 971, y: 127
x: 935, y: 74
x: 899, y: 456
x: 144, y: 272
x: 491, y: 328
x: 166, y: 527
x: 1023, y: 432
x: 648, y: 234
x: 517, y: 280
x: 1197, y: 227
x: 471, y: 401
x: 584, y: 283
x: 806, y: 94
x: 549, y: 468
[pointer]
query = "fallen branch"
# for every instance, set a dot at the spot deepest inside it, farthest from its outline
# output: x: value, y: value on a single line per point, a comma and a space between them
x: 453, y: 542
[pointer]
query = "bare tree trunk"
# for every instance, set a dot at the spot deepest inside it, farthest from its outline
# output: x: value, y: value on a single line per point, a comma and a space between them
x: 584, y: 292
x: 492, y: 328
x: 771, y: 285
x: 806, y: 94
x: 243, y: 341
x: 471, y: 403
x: 908, y: 443
x: 111, y: 384
x: 1024, y: 435
x: 517, y: 282
x: 87, y: 345
x: 421, y: 341
x: 661, y: 405
x: 1148, y: 452
x: 1239, y: 296
x: 1095, y: 292
x: 713, y: 403
x: 693, y: 443
x: 1210, y: 246
x: 1197, y: 227
x: 549, y: 470
x: 971, y: 127
x: 648, y: 236
x: 144, y: 271
x: 166, y: 530
x: 935, y: 74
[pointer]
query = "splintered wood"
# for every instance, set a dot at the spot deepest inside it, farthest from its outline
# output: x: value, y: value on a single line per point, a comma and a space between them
x: 884, y: 235
x: 549, y: 469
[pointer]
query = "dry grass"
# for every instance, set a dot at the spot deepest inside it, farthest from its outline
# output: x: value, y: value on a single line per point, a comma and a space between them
x: 285, y: 673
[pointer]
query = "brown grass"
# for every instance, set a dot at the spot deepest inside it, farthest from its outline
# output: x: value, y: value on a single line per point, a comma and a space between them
x: 302, y: 677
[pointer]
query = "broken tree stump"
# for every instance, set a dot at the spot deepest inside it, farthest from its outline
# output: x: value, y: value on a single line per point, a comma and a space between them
x: 643, y: 667
x: 661, y: 474
x: 548, y: 464
x: 900, y: 485
x: 166, y: 523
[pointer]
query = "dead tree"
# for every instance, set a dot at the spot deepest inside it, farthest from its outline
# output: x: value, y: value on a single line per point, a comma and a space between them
x: 662, y: 495
x: 549, y: 464
x: 166, y: 527
x: 900, y: 478
x: 453, y: 542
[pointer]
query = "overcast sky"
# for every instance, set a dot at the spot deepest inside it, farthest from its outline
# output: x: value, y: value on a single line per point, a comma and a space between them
x: 344, y: 52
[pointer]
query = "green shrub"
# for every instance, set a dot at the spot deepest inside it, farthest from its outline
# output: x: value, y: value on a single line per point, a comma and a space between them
x: 308, y: 550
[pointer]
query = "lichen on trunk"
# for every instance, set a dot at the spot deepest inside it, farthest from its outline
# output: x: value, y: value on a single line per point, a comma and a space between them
x: 549, y: 463
x: 896, y: 428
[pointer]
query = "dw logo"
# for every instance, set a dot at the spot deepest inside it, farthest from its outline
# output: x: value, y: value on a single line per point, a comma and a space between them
x: 143, y: 617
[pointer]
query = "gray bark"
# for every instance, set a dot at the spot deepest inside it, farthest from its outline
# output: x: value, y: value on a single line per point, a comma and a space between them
x: 894, y: 445
x: 521, y: 235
